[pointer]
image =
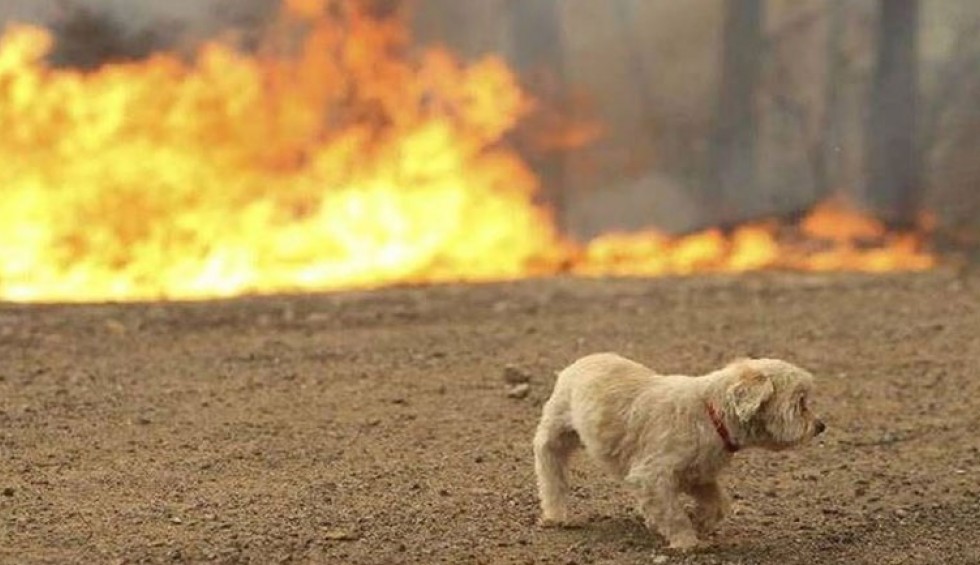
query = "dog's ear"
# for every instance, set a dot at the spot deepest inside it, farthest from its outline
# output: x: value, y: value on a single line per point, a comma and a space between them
x: 750, y: 389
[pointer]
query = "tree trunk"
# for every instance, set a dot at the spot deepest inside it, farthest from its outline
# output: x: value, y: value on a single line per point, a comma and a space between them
x: 538, y: 47
x: 828, y: 163
x: 893, y: 159
x: 732, y: 152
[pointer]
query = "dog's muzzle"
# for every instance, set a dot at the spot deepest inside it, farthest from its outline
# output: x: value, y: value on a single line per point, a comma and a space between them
x: 820, y: 427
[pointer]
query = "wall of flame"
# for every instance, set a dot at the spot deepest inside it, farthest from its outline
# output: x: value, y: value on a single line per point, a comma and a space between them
x: 347, y: 159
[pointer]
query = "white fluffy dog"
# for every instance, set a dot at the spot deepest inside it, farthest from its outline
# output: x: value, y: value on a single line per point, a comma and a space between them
x: 668, y: 434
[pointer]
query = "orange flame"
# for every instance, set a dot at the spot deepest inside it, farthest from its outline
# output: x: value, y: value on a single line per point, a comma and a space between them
x: 833, y: 237
x: 346, y: 163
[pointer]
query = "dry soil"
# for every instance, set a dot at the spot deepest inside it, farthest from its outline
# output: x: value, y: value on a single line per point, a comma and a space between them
x: 376, y: 427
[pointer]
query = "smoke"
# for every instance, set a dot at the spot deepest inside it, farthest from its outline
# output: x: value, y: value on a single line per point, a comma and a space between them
x: 86, y: 38
x: 90, y: 33
x: 650, y: 74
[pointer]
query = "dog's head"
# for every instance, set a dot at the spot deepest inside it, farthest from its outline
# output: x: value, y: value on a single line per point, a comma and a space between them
x: 771, y: 401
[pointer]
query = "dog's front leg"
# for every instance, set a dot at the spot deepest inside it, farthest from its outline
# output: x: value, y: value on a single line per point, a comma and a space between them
x: 660, y: 503
x: 713, y: 505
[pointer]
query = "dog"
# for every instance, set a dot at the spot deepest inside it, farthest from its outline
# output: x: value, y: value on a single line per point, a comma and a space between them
x: 668, y: 435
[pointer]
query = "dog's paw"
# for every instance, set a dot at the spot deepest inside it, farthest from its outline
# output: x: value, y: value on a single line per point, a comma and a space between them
x: 552, y: 522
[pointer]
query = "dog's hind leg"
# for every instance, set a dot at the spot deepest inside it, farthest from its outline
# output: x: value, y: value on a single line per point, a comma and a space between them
x: 553, y: 445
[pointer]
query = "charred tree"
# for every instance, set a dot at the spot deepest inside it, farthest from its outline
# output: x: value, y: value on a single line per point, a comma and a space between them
x: 893, y: 161
x: 732, y: 151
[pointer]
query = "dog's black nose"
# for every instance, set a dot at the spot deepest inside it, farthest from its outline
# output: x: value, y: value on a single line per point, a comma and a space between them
x: 820, y: 426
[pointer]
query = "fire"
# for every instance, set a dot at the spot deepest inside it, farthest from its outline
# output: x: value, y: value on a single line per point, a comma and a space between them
x: 348, y: 160
x: 833, y: 237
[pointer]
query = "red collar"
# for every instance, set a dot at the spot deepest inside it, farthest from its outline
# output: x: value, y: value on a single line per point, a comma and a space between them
x: 726, y: 438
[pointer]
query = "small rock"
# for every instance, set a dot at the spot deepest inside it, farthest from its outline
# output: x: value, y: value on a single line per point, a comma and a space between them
x: 115, y: 327
x: 660, y: 559
x: 519, y: 390
x: 514, y: 375
x: 340, y: 535
x: 176, y: 520
x: 8, y: 491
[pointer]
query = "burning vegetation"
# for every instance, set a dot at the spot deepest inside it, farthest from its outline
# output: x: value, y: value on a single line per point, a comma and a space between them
x: 346, y: 159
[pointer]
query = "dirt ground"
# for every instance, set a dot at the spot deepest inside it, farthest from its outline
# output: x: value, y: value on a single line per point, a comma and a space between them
x: 376, y: 428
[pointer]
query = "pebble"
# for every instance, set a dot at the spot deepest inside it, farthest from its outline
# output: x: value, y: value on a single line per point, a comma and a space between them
x: 115, y: 327
x: 340, y: 535
x: 514, y: 375
x: 519, y: 390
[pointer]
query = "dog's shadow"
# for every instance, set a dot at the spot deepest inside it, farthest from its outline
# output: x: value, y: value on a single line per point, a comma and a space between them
x: 619, y: 530
x: 630, y: 533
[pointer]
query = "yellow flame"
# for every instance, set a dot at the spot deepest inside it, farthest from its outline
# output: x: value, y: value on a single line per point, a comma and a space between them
x: 230, y: 174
